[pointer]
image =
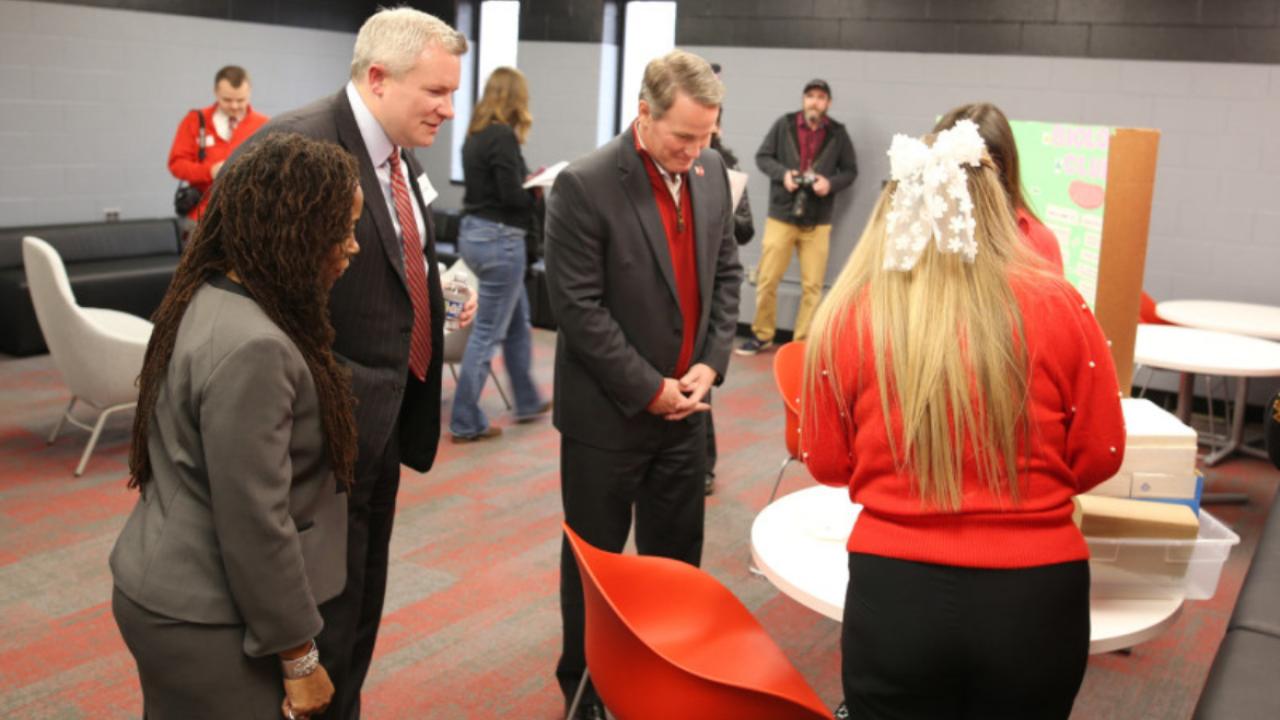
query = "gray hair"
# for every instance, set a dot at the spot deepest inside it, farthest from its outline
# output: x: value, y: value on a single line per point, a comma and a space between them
x: 679, y: 71
x: 395, y: 37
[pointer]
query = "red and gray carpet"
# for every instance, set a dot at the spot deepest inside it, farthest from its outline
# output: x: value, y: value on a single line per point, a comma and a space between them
x: 472, y: 622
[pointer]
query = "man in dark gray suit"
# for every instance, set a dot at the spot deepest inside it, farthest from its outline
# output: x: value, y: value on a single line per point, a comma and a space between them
x: 643, y: 277
x: 388, y: 309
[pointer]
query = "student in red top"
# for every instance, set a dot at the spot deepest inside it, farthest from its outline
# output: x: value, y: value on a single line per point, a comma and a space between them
x: 227, y: 123
x: 994, y: 128
x: 964, y: 393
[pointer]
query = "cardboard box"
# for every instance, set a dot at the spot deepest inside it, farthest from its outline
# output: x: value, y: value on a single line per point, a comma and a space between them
x: 1109, y: 517
x: 1159, y: 456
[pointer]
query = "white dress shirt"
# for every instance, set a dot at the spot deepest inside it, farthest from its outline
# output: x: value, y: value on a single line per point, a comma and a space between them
x: 380, y: 147
x: 222, y: 125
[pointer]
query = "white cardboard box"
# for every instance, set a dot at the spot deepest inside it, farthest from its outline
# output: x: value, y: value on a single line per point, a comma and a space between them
x: 1159, y: 455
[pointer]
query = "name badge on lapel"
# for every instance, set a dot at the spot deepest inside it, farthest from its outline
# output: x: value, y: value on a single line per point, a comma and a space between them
x: 429, y: 192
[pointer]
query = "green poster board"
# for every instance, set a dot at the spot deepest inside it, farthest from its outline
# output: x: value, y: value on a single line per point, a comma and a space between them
x: 1064, y: 175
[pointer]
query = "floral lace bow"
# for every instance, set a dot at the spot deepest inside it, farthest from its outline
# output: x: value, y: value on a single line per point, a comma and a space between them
x: 932, y: 198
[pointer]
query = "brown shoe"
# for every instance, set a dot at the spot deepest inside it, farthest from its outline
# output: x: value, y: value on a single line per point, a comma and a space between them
x: 543, y: 409
x: 492, y: 431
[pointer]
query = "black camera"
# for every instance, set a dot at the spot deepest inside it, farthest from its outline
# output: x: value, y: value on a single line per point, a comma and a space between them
x: 803, y: 200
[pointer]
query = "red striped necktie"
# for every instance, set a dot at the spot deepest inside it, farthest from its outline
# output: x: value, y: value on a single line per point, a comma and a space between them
x: 415, y: 272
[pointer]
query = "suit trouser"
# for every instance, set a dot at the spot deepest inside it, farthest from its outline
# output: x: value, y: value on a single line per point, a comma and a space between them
x: 664, y: 485
x: 811, y: 245
x: 351, y: 619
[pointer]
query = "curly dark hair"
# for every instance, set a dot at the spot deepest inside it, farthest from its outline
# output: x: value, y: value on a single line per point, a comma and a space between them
x: 274, y: 216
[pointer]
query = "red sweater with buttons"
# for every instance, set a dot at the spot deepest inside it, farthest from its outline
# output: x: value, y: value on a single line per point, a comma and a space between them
x: 1076, y: 442
x: 184, y: 155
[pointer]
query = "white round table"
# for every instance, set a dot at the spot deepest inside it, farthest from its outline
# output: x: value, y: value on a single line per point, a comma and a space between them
x: 1261, y: 321
x: 798, y: 542
x: 1190, y: 351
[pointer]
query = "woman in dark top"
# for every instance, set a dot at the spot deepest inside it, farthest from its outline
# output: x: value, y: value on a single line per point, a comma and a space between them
x: 497, y: 216
x: 243, y: 439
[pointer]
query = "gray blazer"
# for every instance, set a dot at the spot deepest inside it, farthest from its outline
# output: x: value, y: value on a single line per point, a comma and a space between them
x: 242, y: 522
x: 370, y: 308
x: 612, y: 288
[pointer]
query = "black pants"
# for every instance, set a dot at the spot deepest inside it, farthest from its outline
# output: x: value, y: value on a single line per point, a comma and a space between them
x: 600, y: 488
x: 351, y: 619
x: 937, y: 642
x: 711, y: 440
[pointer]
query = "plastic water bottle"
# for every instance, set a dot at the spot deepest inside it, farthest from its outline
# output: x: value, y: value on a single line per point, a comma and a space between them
x: 456, y: 292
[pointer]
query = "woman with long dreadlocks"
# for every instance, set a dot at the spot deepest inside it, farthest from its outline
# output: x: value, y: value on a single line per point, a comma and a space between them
x: 242, y: 442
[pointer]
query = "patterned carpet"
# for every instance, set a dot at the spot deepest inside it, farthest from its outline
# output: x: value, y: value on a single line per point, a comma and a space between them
x: 472, y: 623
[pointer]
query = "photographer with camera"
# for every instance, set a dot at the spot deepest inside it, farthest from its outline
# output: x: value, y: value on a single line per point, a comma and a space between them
x: 808, y: 158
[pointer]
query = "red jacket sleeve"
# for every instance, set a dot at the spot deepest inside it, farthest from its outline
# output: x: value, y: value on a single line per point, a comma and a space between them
x: 825, y: 436
x: 184, y: 155
x: 1096, y: 433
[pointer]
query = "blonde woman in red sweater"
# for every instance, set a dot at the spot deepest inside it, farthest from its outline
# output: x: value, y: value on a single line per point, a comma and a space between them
x: 964, y: 393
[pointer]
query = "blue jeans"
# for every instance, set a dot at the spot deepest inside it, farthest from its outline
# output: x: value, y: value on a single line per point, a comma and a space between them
x: 496, y: 254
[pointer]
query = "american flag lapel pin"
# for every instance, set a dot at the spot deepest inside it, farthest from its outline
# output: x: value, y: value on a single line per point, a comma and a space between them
x: 697, y: 170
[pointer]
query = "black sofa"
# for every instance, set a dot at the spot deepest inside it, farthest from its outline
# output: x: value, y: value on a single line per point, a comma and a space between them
x: 447, y: 221
x: 1242, y: 682
x: 122, y: 266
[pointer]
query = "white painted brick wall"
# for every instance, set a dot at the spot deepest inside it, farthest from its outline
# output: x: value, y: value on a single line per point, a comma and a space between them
x: 90, y: 99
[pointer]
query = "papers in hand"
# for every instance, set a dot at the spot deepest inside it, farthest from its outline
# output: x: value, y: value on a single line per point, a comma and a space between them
x: 737, y: 185
x: 546, y: 176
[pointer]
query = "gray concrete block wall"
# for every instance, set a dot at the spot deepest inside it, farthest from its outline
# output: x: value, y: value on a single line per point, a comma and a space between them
x: 1215, y: 225
x: 90, y: 99
x: 564, y: 79
x: 1214, y: 222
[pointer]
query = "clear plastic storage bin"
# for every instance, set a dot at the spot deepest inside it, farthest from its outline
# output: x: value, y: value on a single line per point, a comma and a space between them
x: 1156, y: 568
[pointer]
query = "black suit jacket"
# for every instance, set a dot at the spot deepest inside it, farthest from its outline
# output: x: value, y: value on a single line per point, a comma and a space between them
x: 612, y: 288
x: 370, y: 307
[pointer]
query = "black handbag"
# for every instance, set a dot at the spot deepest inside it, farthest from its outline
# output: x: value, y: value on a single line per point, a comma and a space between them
x: 186, y: 197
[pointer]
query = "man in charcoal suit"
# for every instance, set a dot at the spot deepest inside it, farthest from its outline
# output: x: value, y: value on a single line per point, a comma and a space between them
x: 643, y: 277
x: 387, y: 310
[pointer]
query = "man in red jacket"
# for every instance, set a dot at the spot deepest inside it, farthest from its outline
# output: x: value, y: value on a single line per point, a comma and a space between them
x: 226, y: 123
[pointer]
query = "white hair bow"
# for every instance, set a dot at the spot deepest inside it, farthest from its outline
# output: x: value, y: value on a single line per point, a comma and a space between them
x: 932, y: 198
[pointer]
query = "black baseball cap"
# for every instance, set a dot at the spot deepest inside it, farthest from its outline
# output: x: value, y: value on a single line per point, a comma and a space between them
x: 817, y: 84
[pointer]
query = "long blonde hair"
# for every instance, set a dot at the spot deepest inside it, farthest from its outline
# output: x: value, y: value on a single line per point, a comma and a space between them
x: 947, y: 338
x: 505, y: 102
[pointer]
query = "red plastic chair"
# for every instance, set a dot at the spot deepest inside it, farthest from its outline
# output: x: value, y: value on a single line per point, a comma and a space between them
x: 788, y: 374
x: 666, y: 640
x: 1147, y: 311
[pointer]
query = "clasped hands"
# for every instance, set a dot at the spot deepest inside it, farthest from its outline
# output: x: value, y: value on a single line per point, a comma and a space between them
x: 683, y: 397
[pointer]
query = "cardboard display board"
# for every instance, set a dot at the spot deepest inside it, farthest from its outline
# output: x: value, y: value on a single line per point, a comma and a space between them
x: 1131, y: 177
x: 1064, y: 174
x: 1092, y: 186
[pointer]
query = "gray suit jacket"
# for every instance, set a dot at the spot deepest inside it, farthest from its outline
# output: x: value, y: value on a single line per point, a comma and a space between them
x: 370, y: 308
x: 612, y: 288
x: 242, y: 521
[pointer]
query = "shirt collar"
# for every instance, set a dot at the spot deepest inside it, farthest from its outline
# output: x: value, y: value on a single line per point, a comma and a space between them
x: 375, y: 138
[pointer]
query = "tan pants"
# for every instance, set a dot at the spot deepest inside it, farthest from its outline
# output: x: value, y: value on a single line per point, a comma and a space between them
x: 811, y: 244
